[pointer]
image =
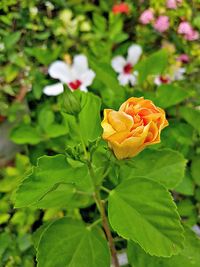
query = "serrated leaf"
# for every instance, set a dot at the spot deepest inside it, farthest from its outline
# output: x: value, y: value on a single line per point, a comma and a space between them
x: 50, y: 173
x: 72, y: 244
x: 142, y: 210
x: 188, y: 257
x: 165, y: 166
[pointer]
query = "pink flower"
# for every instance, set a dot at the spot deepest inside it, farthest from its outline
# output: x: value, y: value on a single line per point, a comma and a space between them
x: 147, y: 16
x: 194, y: 35
x: 184, y: 28
x: 184, y: 58
x: 161, y: 24
x: 189, y: 33
x: 171, y: 4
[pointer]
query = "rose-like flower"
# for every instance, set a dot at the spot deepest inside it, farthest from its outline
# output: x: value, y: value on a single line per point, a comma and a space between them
x: 125, y: 66
x: 76, y: 75
x: 136, y: 125
x: 161, y: 24
x: 184, y: 58
x: 121, y: 8
x: 147, y: 16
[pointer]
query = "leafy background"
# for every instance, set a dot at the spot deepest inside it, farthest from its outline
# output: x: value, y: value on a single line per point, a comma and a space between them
x: 35, y: 33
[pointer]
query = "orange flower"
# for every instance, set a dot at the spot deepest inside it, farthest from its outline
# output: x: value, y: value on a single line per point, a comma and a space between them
x: 121, y: 8
x: 137, y: 124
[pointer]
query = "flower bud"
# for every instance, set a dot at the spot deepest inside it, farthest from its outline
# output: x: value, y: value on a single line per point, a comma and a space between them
x: 70, y: 102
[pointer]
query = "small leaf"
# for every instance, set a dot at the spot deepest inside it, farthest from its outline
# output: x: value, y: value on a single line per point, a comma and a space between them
x: 195, y: 170
x: 142, y: 210
x: 72, y: 244
x: 25, y: 134
x: 192, y: 116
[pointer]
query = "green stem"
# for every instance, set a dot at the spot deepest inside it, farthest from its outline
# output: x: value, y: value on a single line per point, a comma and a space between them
x: 100, y: 205
x: 105, y: 189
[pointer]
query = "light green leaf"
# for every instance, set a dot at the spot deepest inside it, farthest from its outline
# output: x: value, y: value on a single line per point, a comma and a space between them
x: 25, y: 134
x: 70, y: 243
x: 168, y: 95
x: 189, y: 256
x: 195, y: 169
x: 192, y: 116
x: 50, y: 173
x: 165, y: 166
x: 154, y: 64
x: 186, y: 187
x: 142, y: 210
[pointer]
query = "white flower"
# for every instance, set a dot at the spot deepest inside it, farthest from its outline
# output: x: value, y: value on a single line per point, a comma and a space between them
x: 125, y: 67
x: 76, y: 76
x: 166, y: 79
x: 162, y: 79
x: 179, y: 74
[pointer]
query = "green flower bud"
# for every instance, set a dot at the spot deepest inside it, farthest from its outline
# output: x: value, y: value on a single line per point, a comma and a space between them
x: 70, y: 102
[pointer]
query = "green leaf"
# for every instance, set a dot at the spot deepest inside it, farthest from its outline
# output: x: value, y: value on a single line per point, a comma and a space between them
x: 50, y: 173
x: 72, y: 244
x: 186, y: 187
x: 89, y: 118
x: 165, y: 166
x: 142, y: 210
x: 45, y: 117
x: 11, y: 39
x: 192, y: 116
x: 168, y: 95
x: 188, y: 257
x: 25, y: 134
x: 195, y: 169
x: 152, y: 65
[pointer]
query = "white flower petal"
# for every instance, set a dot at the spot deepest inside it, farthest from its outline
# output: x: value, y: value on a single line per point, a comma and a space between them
x: 60, y: 70
x: 157, y: 81
x: 179, y: 74
x: 83, y: 88
x: 134, y: 53
x: 133, y: 79
x: 87, y: 77
x: 54, y: 89
x: 80, y: 63
x: 123, y: 78
x: 118, y: 63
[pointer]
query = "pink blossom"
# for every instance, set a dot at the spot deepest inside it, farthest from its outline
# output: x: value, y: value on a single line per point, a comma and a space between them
x: 189, y: 33
x: 171, y: 4
x: 161, y: 24
x: 184, y: 58
x: 147, y: 16
x: 194, y: 35
x: 184, y: 28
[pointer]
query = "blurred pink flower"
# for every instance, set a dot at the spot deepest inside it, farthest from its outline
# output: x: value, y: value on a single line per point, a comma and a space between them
x: 161, y: 24
x: 173, y: 4
x: 194, y: 35
x: 184, y: 28
x: 184, y: 58
x: 189, y: 33
x: 147, y: 16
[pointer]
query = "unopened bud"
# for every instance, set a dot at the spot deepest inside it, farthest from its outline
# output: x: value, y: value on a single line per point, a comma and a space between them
x: 70, y: 102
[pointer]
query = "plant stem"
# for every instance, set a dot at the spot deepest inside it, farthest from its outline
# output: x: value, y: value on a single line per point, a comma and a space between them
x: 107, y: 228
x: 105, y: 224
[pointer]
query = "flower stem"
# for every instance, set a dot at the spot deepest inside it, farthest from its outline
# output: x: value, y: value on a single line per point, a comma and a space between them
x: 100, y: 205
